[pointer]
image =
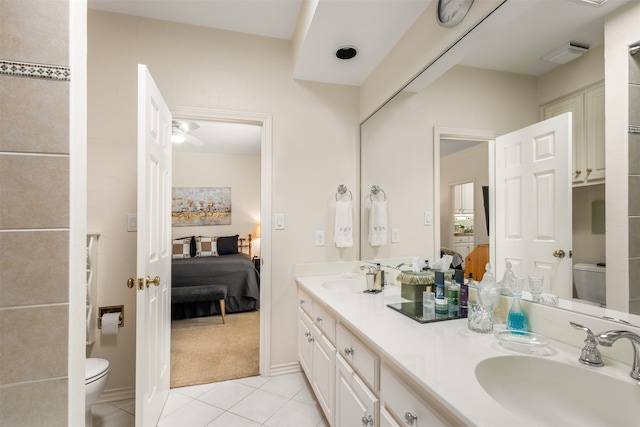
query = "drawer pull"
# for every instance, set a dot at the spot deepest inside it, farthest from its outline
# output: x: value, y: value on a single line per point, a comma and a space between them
x: 301, y: 302
x: 310, y: 339
x: 348, y: 351
x: 367, y: 420
x: 307, y: 334
x: 318, y: 319
x: 409, y: 418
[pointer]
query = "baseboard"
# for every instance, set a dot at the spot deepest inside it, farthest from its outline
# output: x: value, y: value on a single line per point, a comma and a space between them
x: 287, y: 368
x: 115, y: 394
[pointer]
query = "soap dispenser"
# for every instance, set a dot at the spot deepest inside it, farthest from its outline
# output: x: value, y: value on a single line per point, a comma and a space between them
x: 378, y: 279
x: 516, y: 319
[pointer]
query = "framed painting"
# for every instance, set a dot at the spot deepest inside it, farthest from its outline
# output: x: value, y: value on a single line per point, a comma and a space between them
x: 193, y: 206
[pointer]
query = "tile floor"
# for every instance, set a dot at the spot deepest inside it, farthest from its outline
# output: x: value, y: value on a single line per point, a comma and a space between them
x: 280, y: 401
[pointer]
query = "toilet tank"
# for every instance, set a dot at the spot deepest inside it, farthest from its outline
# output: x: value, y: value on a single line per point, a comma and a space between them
x: 590, y: 281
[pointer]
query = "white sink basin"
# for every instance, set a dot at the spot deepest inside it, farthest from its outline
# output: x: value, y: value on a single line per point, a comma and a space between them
x: 345, y: 285
x: 558, y: 394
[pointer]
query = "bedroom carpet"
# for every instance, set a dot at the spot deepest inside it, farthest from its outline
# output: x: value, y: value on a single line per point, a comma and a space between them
x: 203, y: 350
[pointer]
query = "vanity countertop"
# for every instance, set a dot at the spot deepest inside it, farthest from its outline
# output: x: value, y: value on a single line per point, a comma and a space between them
x: 441, y: 357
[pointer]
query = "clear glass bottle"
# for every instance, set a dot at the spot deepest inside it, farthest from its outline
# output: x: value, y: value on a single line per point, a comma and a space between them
x: 517, y: 319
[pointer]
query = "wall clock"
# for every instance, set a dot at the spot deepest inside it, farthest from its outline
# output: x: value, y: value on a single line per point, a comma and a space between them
x: 451, y: 12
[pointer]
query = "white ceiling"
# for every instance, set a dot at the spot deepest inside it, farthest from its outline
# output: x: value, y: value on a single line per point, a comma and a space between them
x: 375, y: 26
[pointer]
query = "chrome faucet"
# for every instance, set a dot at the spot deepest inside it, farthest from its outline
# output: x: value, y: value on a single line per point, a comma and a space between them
x: 608, y: 338
x: 590, y: 355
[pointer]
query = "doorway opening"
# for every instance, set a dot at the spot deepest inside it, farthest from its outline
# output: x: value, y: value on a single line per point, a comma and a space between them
x: 230, y: 151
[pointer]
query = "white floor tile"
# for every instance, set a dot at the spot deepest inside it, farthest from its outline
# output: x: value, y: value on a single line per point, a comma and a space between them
x: 305, y: 395
x: 128, y: 405
x: 285, y: 385
x: 255, y: 382
x: 296, y: 414
x: 226, y: 394
x: 107, y: 415
x: 232, y: 420
x: 259, y: 406
x: 174, y: 402
x: 195, y: 390
x: 194, y: 414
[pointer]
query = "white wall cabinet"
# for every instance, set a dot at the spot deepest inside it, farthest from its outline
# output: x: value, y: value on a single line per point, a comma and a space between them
x: 587, y: 108
x: 463, y: 198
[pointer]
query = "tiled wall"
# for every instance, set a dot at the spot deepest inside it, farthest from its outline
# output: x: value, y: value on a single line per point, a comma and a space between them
x: 634, y: 184
x: 34, y: 212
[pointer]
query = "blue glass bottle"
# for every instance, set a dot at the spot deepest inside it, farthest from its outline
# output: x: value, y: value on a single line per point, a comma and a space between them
x: 516, y: 319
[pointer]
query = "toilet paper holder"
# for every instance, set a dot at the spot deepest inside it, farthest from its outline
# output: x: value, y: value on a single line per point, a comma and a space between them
x: 111, y: 309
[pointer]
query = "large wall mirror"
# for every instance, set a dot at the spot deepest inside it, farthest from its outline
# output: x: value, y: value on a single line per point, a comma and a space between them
x: 439, y: 130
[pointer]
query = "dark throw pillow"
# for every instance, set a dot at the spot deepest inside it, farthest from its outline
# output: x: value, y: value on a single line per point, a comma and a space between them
x: 228, y: 245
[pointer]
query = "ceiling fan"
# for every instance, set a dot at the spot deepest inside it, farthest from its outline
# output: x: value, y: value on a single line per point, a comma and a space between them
x: 180, y: 132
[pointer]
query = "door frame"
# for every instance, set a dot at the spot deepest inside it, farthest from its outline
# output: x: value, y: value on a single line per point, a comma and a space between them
x: 265, y: 121
x: 440, y: 133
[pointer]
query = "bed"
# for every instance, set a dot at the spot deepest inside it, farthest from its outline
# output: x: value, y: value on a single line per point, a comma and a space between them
x: 200, y: 260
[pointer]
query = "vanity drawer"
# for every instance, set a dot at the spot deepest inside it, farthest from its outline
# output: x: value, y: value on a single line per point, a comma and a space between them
x: 406, y: 407
x: 305, y: 302
x: 325, y: 322
x: 363, y: 360
x: 461, y: 239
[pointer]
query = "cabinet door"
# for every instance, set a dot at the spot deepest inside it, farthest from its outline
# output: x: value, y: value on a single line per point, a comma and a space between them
x: 575, y: 105
x: 356, y: 405
x: 305, y: 342
x: 595, y: 136
x: 324, y: 356
x: 467, y: 198
x: 386, y: 419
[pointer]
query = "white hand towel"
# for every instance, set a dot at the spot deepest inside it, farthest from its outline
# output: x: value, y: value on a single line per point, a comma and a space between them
x: 343, y: 236
x: 378, y: 223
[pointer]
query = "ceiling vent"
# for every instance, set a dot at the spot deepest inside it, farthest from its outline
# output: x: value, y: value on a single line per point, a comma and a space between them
x: 565, y: 53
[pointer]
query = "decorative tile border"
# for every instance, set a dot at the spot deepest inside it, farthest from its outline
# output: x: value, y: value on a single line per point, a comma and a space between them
x: 634, y: 129
x: 40, y: 71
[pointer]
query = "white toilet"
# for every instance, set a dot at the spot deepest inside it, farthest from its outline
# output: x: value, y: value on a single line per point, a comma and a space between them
x: 590, y: 281
x: 95, y: 380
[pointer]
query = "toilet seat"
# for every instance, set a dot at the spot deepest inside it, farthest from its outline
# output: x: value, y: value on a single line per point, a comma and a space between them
x: 95, y: 369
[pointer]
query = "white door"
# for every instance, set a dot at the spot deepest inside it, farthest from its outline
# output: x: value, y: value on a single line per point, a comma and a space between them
x: 533, y: 203
x: 153, y: 305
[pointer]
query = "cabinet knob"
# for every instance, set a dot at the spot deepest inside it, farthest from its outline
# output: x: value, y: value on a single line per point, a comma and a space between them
x: 367, y: 420
x: 318, y: 319
x: 310, y: 339
x: 301, y: 301
x: 307, y: 334
x: 409, y: 418
x: 348, y: 351
x: 589, y: 170
x: 577, y: 174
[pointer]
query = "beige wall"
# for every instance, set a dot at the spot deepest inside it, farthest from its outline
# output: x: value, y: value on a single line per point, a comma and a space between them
x: 35, y: 238
x: 315, y: 149
x: 240, y: 173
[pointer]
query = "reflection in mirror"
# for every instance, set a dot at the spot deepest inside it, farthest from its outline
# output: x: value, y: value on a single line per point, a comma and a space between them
x: 483, y: 96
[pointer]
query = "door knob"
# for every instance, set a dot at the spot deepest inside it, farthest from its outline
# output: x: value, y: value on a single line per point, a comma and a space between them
x: 156, y: 280
x: 559, y: 253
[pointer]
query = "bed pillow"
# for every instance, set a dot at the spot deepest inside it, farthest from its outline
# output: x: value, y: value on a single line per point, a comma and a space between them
x: 228, y: 245
x: 181, y: 248
x: 206, y: 246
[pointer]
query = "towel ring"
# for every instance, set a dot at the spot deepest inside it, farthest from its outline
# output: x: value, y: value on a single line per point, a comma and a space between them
x: 342, y: 190
x: 375, y: 191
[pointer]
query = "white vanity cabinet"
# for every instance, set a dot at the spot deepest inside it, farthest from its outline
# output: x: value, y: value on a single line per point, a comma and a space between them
x: 587, y: 108
x: 403, y: 406
x: 316, y: 350
x: 463, y: 198
x: 463, y: 245
x: 356, y: 404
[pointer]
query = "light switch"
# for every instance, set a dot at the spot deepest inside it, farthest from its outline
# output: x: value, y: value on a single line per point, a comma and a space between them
x: 320, y: 238
x: 428, y: 218
x: 395, y: 235
x: 278, y: 223
x: 132, y: 222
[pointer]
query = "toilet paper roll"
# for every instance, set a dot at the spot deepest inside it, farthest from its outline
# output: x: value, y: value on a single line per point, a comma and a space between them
x: 110, y: 323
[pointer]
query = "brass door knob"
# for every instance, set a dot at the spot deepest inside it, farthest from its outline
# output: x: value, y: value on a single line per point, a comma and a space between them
x: 155, y: 281
x: 559, y: 253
